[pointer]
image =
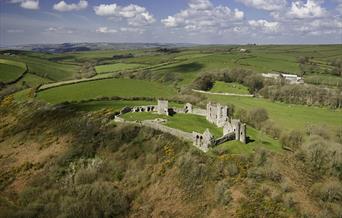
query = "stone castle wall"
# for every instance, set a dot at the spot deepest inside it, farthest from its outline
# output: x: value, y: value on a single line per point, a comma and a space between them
x: 176, y: 132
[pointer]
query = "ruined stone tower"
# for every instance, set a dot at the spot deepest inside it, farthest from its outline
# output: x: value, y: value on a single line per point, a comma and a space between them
x: 163, y: 107
x: 217, y: 114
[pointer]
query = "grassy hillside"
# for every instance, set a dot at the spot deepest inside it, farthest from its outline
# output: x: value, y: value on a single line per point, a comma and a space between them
x: 287, y: 116
x: 57, y: 161
x: 10, y: 70
x: 117, y: 67
x: 42, y: 66
x: 107, y: 87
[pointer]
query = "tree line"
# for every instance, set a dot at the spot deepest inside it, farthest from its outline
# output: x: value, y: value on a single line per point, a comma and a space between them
x: 275, y: 90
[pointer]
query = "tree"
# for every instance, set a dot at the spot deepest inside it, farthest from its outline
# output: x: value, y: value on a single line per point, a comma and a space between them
x: 205, y: 82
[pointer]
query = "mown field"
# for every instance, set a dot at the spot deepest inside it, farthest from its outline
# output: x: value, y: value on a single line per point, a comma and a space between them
x: 106, y: 87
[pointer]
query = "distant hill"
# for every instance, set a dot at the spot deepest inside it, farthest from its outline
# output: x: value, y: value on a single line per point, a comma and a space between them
x: 76, y: 47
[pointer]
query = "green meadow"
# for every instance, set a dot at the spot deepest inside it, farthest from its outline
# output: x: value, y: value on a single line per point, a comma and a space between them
x: 10, y: 70
x: 105, y: 87
x: 117, y: 67
x: 235, y: 88
x: 286, y: 116
x: 185, y: 122
x: 257, y: 140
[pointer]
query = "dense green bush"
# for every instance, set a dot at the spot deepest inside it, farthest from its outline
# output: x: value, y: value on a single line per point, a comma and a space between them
x: 204, y: 82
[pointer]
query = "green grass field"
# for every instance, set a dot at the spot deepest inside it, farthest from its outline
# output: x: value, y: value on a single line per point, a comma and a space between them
x: 114, y: 105
x: 257, y: 140
x: 43, y: 67
x: 229, y: 88
x: 117, y: 67
x: 10, y: 70
x: 106, y: 87
x: 286, y: 116
x: 185, y: 122
x: 34, y: 80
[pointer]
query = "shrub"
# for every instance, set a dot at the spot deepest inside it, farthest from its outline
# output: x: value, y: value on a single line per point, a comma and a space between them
x: 257, y: 116
x: 222, y: 193
x: 101, y: 199
x: 204, y: 82
x: 328, y: 191
x: 292, y: 140
x: 271, y: 129
x: 316, y: 155
x: 339, y: 135
x: 193, y: 173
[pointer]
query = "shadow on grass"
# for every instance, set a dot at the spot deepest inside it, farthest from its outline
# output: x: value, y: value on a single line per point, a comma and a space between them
x: 190, y: 67
x: 249, y: 140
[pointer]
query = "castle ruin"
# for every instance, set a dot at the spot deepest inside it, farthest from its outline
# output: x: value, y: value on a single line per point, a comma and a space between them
x: 217, y: 114
x: 232, y: 129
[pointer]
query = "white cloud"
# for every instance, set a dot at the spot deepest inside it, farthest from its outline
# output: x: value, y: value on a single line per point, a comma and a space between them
x: 60, y: 30
x: 63, y: 6
x: 132, y: 30
x: 310, y: 9
x: 134, y: 14
x: 105, y: 30
x: 202, y: 15
x: 268, y: 5
x: 27, y: 4
x: 264, y: 25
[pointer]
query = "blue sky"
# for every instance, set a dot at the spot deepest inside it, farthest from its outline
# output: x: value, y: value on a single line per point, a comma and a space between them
x: 186, y: 21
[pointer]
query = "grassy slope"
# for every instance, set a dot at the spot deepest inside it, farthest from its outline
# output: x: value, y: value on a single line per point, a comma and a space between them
x: 258, y: 140
x: 68, y: 172
x: 117, y: 67
x: 39, y: 64
x: 107, y: 87
x: 229, y: 88
x: 114, y: 105
x: 10, y: 70
x: 285, y: 115
x: 34, y: 80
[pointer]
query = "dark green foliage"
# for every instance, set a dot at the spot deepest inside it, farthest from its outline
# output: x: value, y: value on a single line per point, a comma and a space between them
x: 307, y: 95
x: 205, y: 82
